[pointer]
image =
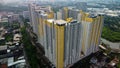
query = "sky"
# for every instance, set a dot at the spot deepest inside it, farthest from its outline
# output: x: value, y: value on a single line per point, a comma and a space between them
x: 11, y: 1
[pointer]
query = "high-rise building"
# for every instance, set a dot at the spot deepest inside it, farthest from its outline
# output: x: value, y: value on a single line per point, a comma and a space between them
x: 90, y: 32
x: 59, y: 15
x: 64, y: 12
x: 68, y: 12
x: 61, y: 41
x: 37, y: 15
x: 73, y: 36
x: 73, y: 13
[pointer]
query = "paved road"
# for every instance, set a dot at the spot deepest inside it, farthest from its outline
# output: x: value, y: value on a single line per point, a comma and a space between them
x: 112, y: 45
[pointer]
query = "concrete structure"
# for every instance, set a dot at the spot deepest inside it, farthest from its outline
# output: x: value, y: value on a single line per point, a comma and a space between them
x: 72, y: 37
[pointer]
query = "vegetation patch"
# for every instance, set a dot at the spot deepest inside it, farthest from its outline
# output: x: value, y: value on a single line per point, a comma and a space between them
x: 111, y: 29
x: 110, y: 35
x: 29, y: 49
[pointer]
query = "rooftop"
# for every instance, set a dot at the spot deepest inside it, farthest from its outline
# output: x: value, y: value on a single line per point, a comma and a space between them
x: 60, y: 22
x: 50, y: 20
x: 17, y: 37
x: 3, y: 47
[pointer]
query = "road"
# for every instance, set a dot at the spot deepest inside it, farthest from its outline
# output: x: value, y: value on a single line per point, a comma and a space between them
x: 112, y: 45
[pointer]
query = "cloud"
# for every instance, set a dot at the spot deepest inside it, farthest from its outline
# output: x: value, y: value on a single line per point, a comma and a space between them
x: 11, y: 1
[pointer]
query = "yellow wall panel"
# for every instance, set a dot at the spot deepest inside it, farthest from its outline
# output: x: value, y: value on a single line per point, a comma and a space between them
x: 60, y: 46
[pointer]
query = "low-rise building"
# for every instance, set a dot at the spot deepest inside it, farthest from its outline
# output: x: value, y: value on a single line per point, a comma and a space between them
x: 16, y: 38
